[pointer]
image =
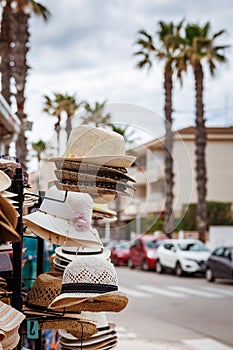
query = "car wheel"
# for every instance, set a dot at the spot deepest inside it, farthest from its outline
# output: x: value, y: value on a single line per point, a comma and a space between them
x: 158, y: 267
x: 144, y: 265
x: 209, y: 275
x: 178, y: 270
x: 130, y: 263
x: 115, y: 262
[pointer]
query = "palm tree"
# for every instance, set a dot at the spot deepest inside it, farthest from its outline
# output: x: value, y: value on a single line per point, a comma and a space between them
x: 39, y: 147
x: 200, y: 46
x: 167, y: 51
x: 96, y: 114
x: 68, y: 104
x: 5, y: 40
x: 52, y: 107
x: 18, y: 37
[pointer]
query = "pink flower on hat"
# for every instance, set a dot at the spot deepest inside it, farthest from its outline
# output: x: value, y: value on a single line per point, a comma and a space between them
x: 80, y: 221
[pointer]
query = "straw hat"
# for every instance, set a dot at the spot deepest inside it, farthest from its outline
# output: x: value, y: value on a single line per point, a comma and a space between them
x: 10, y: 320
x: 90, y: 284
x: 5, y: 181
x: 96, y: 146
x: 100, y: 195
x: 45, y: 288
x: 8, y: 222
x: 67, y: 215
x: 115, y: 173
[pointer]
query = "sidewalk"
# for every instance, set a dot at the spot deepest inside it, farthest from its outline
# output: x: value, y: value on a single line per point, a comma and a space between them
x: 140, y: 344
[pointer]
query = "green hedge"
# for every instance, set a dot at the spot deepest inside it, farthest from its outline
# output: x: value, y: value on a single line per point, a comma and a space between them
x: 218, y: 213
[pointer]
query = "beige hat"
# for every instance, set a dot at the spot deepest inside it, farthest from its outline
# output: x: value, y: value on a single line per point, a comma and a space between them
x: 5, y: 181
x: 8, y: 222
x: 10, y: 320
x: 90, y: 283
x: 96, y: 146
x: 65, y: 215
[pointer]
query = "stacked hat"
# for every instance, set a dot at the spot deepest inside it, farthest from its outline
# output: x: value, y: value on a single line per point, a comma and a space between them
x: 105, y: 338
x: 95, y: 162
x: 46, y: 287
x: 90, y: 283
x: 10, y: 320
x: 64, y: 219
x: 8, y: 221
x: 64, y: 255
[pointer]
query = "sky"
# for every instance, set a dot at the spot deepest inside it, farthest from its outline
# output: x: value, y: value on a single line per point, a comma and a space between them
x: 86, y: 49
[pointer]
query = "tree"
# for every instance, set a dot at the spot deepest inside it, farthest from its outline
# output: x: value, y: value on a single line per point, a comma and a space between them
x: 68, y: 104
x: 200, y: 46
x: 96, y: 114
x: 169, y: 43
x: 15, y: 21
x: 39, y: 147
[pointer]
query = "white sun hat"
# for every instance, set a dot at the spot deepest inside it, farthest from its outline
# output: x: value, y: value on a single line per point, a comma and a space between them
x: 96, y: 145
x: 5, y: 181
x: 70, y: 253
x: 90, y: 283
x: 65, y: 215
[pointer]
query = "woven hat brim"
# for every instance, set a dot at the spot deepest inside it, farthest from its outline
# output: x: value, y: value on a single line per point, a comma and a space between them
x: 57, y: 228
x: 56, y: 238
x: 99, y: 195
x: 68, y: 336
x: 10, y: 317
x: 115, y: 161
x: 94, y: 169
x: 70, y: 257
x: 9, y: 211
x: 7, y: 233
x: 77, y: 302
x: 5, y: 181
x: 73, y: 177
x: 82, y: 328
x: 97, y: 340
x: 107, y: 344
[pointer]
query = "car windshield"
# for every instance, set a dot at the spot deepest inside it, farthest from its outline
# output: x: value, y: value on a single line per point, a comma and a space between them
x: 153, y: 244
x: 193, y: 246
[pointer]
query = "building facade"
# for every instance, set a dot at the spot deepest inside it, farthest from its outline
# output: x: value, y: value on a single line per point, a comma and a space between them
x: 149, y: 171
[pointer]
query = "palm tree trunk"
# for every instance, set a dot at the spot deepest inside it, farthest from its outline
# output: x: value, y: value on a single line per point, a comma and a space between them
x: 201, y: 176
x: 6, y: 40
x: 68, y: 126
x: 20, y: 69
x: 169, y: 175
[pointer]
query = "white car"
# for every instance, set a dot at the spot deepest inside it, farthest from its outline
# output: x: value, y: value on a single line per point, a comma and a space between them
x: 182, y: 256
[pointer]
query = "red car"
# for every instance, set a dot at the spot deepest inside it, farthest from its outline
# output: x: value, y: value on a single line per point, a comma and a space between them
x: 143, y: 252
x: 120, y: 253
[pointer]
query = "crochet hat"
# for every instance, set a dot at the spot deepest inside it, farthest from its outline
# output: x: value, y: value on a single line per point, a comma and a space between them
x: 96, y: 146
x: 90, y: 284
x: 70, y: 253
x: 65, y: 215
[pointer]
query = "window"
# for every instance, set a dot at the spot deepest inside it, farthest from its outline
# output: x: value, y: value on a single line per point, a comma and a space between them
x: 168, y: 246
x: 219, y: 252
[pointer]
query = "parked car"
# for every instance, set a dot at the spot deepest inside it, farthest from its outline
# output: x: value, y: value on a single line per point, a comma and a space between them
x: 182, y: 256
x: 120, y: 253
x: 143, y: 252
x: 220, y: 264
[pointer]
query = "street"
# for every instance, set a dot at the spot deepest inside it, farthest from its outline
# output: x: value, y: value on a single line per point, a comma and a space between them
x: 168, y: 308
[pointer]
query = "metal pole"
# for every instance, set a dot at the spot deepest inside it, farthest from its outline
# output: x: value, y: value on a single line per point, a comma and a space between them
x: 40, y: 244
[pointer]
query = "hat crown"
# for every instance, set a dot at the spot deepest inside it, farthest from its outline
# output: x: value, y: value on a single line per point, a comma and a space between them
x: 45, y: 289
x: 89, y: 141
x: 90, y: 269
x: 75, y: 202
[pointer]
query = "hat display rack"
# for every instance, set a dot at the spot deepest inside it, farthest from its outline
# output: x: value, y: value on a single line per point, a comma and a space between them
x: 82, y: 284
